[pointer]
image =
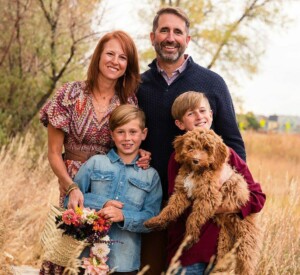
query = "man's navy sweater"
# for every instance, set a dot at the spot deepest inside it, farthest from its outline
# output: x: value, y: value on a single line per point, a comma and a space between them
x: 155, y: 98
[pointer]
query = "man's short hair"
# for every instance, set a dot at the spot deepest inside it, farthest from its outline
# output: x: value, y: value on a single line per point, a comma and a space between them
x: 171, y: 10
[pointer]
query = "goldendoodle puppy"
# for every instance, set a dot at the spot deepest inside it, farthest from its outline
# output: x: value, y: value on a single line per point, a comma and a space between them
x: 202, y: 156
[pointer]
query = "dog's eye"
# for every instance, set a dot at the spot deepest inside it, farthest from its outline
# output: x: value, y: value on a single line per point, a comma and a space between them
x: 207, y: 148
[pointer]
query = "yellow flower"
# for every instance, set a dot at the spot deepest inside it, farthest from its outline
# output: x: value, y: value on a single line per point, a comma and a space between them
x: 78, y: 211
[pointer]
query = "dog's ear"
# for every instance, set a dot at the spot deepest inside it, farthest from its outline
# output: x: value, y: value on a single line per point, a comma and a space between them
x: 178, y: 146
x: 220, y: 151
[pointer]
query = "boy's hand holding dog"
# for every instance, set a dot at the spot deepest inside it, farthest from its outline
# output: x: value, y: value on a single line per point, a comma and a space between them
x: 226, y: 173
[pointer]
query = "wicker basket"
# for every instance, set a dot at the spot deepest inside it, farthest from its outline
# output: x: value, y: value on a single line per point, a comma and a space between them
x: 60, y: 249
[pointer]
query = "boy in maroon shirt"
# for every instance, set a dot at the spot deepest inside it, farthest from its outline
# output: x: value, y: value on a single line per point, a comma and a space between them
x: 190, y: 110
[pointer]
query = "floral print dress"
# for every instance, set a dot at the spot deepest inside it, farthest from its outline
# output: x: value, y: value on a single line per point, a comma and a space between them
x: 71, y: 110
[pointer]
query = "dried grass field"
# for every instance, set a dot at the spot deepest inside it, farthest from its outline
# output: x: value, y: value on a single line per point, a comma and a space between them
x: 28, y: 187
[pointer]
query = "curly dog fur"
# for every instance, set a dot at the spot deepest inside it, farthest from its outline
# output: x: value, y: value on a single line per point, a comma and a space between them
x: 202, y: 155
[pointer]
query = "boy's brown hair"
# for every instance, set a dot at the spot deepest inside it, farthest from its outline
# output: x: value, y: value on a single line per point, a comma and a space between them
x: 124, y: 114
x: 187, y: 101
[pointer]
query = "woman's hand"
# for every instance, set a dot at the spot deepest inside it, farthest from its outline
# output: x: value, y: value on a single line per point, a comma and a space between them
x: 144, y: 160
x: 75, y: 199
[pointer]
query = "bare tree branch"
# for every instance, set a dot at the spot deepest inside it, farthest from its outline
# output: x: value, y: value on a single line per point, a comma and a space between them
x: 229, y: 32
x: 14, y: 30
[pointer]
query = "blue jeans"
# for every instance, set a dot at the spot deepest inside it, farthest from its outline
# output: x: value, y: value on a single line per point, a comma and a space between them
x: 195, y: 269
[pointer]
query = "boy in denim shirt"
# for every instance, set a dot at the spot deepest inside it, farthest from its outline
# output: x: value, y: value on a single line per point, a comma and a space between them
x: 124, y: 193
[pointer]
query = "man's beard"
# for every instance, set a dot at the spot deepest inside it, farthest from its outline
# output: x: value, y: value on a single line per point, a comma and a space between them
x: 169, y: 57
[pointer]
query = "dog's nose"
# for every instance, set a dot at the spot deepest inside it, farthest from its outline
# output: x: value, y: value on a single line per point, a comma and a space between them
x: 195, y: 161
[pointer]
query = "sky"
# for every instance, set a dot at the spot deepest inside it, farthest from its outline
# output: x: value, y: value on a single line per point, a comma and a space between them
x: 274, y: 90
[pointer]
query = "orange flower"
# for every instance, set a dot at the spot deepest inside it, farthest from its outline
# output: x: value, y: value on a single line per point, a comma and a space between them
x: 101, y: 224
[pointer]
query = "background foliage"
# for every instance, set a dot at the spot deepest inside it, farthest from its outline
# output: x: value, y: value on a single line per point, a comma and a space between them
x: 43, y: 43
x: 46, y: 42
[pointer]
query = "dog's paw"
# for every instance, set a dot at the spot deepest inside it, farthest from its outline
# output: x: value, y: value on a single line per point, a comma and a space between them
x: 155, y: 223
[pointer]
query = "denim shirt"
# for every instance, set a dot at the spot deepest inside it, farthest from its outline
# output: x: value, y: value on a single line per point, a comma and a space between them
x: 106, y: 177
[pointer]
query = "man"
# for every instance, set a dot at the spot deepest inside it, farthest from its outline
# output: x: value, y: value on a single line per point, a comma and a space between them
x: 171, y: 74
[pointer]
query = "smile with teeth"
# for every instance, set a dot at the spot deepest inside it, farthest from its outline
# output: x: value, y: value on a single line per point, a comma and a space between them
x: 127, y: 146
x: 112, y: 69
x: 200, y: 123
x: 171, y: 46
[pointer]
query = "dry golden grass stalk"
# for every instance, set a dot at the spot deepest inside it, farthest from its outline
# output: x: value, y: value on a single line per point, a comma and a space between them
x: 28, y: 187
x: 2, y: 232
x: 274, y: 160
x: 175, y: 263
x: 73, y: 266
x: 5, y: 258
x: 226, y: 265
x: 144, y: 270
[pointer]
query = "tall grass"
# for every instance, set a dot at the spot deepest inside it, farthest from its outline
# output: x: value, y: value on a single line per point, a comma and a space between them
x: 28, y: 187
x: 274, y: 160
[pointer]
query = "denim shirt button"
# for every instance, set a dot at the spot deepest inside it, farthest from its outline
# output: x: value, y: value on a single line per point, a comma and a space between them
x: 117, y: 198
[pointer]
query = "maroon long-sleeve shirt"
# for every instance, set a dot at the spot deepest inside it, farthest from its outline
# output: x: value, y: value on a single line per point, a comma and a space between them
x: 206, y: 247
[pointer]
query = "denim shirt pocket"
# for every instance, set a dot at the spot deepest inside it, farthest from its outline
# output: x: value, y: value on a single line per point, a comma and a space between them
x: 136, y: 192
x: 101, y: 182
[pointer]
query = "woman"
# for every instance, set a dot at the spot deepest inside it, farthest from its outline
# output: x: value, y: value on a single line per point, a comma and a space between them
x: 77, y: 116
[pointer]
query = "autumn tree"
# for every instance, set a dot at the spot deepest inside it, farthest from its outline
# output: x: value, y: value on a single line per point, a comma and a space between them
x: 228, y: 36
x: 248, y: 121
x: 43, y: 42
x: 46, y: 42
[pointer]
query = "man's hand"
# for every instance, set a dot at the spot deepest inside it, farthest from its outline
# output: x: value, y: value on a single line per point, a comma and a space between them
x: 144, y: 160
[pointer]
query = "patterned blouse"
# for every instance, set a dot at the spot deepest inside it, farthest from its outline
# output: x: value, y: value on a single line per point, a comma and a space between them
x: 72, y: 111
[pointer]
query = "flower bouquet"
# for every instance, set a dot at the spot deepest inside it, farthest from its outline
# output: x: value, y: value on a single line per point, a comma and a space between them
x: 68, y: 232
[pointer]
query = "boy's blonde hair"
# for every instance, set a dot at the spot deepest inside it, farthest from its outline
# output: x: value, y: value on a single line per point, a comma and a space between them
x: 124, y: 114
x: 187, y: 101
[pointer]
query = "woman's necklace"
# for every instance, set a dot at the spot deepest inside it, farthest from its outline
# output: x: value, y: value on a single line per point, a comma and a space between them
x: 101, y: 108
